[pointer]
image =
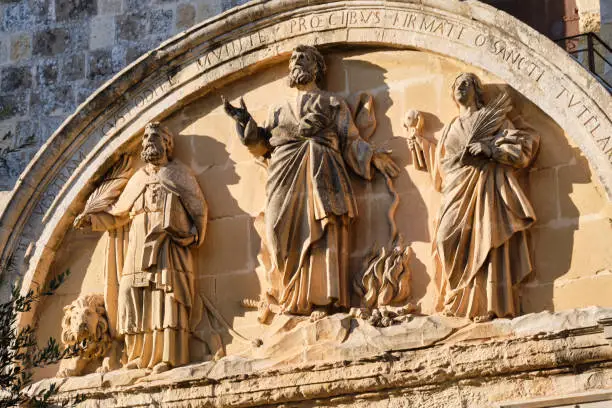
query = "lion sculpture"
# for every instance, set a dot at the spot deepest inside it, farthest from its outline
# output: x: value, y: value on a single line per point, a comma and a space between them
x: 85, y: 323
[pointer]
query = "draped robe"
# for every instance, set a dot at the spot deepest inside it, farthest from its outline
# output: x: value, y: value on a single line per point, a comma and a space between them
x: 310, y: 201
x: 481, y: 246
x: 160, y: 214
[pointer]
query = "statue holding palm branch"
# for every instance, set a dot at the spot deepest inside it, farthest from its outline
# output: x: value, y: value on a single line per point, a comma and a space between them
x: 480, y: 248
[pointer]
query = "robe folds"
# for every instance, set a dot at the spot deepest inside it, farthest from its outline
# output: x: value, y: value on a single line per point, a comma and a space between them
x: 159, y: 216
x: 310, y: 202
x: 481, y: 246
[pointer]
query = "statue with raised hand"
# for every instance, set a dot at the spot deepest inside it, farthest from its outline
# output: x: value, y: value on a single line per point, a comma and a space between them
x: 311, y: 145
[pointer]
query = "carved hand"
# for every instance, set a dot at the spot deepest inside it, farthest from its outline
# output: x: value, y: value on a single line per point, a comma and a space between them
x: 81, y: 221
x: 505, y: 138
x: 240, y: 115
x: 480, y: 148
x: 385, y: 164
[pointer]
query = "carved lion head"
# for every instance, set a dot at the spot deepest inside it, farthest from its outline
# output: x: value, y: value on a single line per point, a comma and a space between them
x: 85, y: 322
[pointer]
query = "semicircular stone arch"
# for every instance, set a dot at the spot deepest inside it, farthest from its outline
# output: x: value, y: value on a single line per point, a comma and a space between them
x: 247, y: 39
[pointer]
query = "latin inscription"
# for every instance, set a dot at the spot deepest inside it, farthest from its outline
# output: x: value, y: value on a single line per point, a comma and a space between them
x: 135, y: 105
x: 511, y: 55
x: 426, y: 24
x: 587, y: 118
x: 518, y: 60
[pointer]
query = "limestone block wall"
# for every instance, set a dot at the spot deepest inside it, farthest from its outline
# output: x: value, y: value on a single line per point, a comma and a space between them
x: 573, y: 264
x: 55, y: 53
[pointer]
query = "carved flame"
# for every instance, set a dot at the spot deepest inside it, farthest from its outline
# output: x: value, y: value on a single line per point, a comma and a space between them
x: 386, y: 281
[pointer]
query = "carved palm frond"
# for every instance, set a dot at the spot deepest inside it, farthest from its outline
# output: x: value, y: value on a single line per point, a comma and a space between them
x: 111, y: 186
x: 489, y: 120
x: 491, y: 117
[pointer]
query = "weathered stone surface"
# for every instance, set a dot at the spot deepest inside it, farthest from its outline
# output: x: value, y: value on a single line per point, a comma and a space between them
x: 73, y: 67
x: 21, y: 47
x: 131, y: 26
x: 74, y: 9
x: 16, y: 79
x: 185, y: 16
x: 100, y: 64
x: 5, y: 46
x: 532, y: 324
x: 47, y: 73
x: 16, y: 17
x: 51, y: 42
x: 52, y: 101
x: 161, y: 23
x: 119, y: 378
x: 12, y: 105
x: 41, y: 10
x: 484, y: 373
x: 109, y: 6
x: 102, y: 32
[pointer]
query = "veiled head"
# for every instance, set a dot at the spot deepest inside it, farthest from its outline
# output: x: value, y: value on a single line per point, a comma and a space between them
x: 467, y: 90
x: 157, y: 144
x: 305, y: 66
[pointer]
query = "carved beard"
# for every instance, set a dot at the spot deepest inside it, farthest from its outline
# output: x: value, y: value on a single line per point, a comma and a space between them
x: 152, y: 153
x: 300, y: 76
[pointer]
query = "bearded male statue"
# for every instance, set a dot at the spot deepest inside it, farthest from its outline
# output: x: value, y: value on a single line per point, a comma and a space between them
x: 150, y: 294
x: 310, y: 145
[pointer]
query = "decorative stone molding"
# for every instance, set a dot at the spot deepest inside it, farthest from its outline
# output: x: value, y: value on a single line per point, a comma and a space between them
x: 429, y: 361
x: 606, y: 324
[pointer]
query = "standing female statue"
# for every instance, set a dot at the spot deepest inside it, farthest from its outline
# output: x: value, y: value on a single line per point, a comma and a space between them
x: 481, y: 248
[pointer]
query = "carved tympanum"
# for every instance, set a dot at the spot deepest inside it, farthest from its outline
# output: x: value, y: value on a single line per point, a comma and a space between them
x: 310, y: 145
x: 85, y: 324
x: 481, y: 248
x: 154, y: 218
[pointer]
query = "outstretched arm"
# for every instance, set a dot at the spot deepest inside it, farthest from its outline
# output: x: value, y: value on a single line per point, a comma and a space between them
x: 100, y: 221
x: 359, y: 154
x: 255, y: 138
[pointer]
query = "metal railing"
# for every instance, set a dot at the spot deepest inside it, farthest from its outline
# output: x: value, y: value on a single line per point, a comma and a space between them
x: 589, y: 50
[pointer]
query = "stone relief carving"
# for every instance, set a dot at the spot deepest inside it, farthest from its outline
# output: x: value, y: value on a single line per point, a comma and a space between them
x: 154, y: 218
x: 480, y: 247
x: 310, y: 146
x: 85, y: 322
x: 384, y: 287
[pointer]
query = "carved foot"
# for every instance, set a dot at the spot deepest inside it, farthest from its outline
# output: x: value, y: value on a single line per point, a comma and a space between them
x: 161, y: 367
x: 132, y: 365
x: 219, y: 355
x: 66, y: 372
x: 486, y: 318
x: 318, y: 314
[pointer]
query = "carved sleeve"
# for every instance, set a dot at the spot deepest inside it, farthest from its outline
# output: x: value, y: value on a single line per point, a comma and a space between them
x: 257, y: 139
x: 515, y: 147
x: 103, y: 221
x: 357, y: 152
x: 113, y: 217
